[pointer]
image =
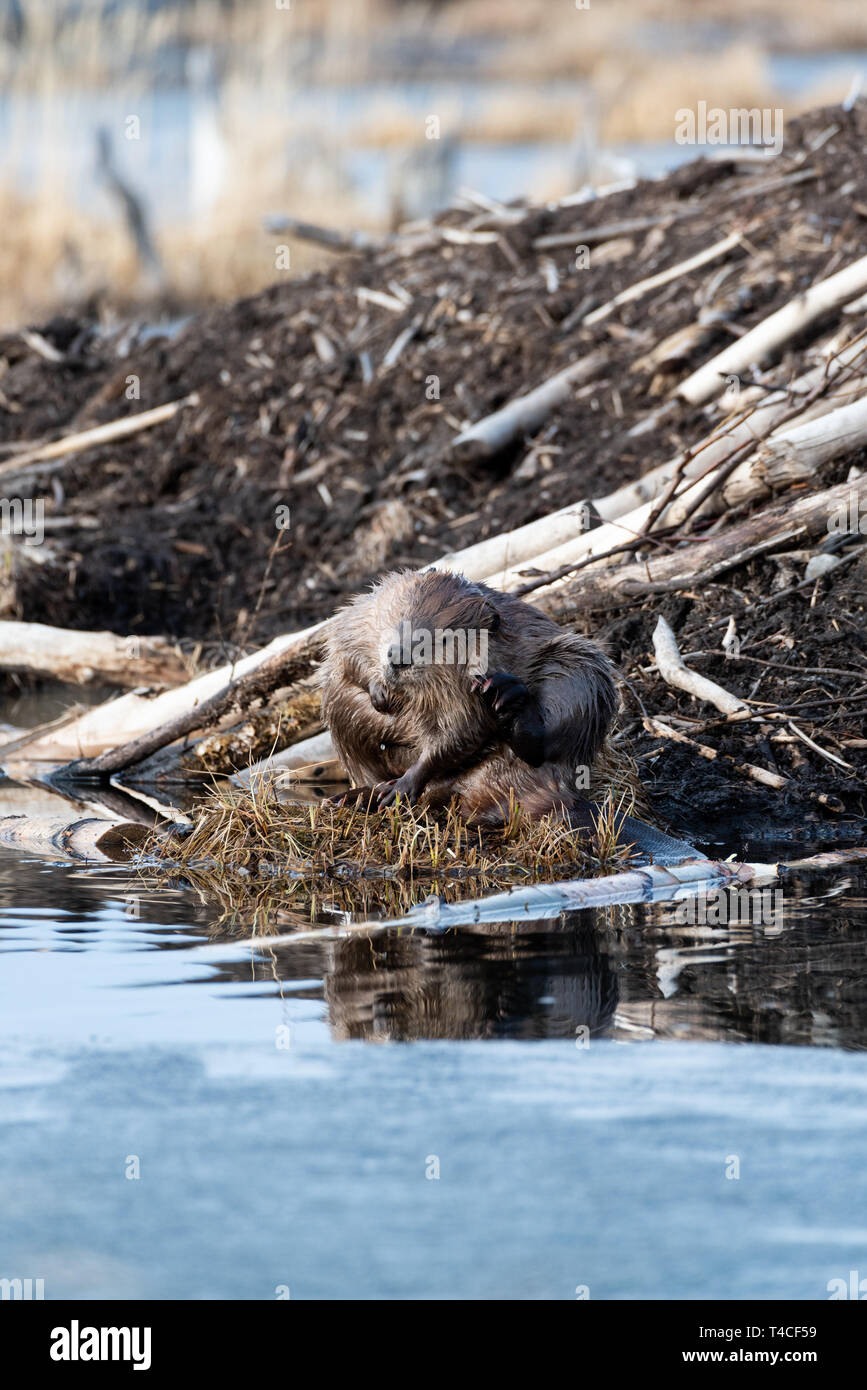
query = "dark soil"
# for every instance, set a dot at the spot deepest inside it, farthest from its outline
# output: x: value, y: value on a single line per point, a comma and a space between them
x: 183, y: 535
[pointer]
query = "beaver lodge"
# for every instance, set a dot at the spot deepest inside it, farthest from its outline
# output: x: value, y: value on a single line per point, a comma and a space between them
x: 644, y: 412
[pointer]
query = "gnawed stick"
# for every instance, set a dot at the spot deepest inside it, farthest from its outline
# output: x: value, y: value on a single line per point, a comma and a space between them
x: 44, y: 458
x: 79, y: 657
x: 789, y: 456
x: 776, y: 330
x: 654, y: 282
x: 524, y: 414
x: 674, y: 671
x: 609, y: 231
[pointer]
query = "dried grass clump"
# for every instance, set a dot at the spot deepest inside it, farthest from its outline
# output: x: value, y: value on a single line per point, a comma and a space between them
x: 248, y: 846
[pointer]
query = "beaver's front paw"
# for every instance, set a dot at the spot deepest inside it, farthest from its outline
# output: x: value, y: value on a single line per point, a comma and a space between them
x: 504, y: 695
x: 409, y: 788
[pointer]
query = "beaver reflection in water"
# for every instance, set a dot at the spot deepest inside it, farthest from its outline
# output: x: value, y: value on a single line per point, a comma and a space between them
x: 435, y: 687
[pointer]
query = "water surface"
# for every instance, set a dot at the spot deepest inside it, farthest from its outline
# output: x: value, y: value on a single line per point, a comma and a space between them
x: 623, y: 1101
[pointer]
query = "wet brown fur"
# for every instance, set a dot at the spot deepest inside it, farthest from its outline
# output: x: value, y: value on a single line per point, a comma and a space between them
x: 435, y: 730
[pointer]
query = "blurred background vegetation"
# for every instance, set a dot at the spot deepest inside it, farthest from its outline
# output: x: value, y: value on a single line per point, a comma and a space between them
x: 144, y: 141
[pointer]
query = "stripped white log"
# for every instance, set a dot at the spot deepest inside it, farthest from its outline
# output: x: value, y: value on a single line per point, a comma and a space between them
x: 525, y: 414
x: 840, y: 431
x: 131, y: 716
x: 79, y: 657
x: 800, y: 449
x: 776, y: 330
x: 498, y: 553
x: 494, y: 558
x: 81, y: 838
x: 315, y: 750
x: 788, y: 456
x: 674, y: 671
x: 531, y: 902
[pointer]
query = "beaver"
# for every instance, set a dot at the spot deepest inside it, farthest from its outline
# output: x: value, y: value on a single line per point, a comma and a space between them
x: 435, y: 686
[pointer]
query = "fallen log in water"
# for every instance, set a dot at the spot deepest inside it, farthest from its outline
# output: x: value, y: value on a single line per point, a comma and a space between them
x: 543, y: 901
x: 133, y: 716
x: 288, y: 664
x: 88, y: 838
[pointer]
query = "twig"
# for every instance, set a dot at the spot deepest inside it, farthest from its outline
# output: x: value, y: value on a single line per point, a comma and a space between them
x: 60, y: 450
x: 711, y: 253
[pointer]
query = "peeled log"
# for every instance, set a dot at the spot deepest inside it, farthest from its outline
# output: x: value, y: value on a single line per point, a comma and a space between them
x: 492, y: 559
x: 80, y: 657
x: 86, y: 838
x: 801, y: 449
x: 317, y: 749
x: 525, y: 414
x: 773, y: 332
x: 133, y: 716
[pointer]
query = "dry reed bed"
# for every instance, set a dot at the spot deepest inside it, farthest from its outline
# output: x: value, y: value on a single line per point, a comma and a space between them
x: 251, y: 847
